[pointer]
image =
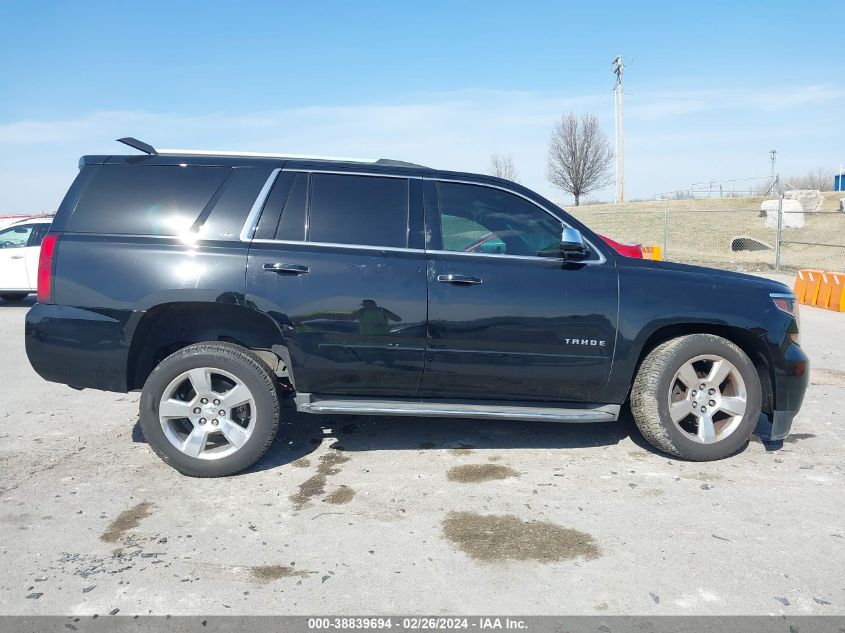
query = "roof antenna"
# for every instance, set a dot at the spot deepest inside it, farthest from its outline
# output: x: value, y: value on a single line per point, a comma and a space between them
x: 139, y: 145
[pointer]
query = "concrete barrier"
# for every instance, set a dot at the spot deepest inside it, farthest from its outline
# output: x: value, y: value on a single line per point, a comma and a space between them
x: 793, y: 214
x: 811, y: 200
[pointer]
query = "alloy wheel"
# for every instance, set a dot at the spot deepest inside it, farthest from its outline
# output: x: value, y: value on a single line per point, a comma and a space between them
x: 707, y: 398
x: 207, y: 413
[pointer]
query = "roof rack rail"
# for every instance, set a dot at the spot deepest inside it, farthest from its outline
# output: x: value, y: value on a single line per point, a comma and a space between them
x: 205, y: 152
x: 149, y: 149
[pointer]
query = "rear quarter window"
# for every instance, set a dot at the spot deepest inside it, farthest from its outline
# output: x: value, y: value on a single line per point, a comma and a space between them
x: 145, y: 199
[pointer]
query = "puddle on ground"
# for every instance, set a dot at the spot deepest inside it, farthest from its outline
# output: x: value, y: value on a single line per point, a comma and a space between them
x: 476, y: 473
x: 267, y: 573
x: 492, y: 538
x: 127, y: 520
x: 311, y: 487
x: 302, y: 462
x: 340, y: 496
x: 316, y: 485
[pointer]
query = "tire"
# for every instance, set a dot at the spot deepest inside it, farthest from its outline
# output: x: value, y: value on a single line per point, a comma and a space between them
x: 220, y: 445
x: 660, y: 396
x: 14, y: 296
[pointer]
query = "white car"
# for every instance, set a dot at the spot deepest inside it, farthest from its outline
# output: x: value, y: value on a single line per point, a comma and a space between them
x: 20, y: 245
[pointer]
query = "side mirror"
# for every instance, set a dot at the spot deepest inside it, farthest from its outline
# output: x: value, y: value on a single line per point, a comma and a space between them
x: 572, y: 245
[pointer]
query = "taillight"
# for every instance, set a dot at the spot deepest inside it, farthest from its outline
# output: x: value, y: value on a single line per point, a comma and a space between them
x: 45, y: 268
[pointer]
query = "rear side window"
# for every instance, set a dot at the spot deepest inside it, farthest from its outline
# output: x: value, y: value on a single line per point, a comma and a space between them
x: 366, y: 210
x: 145, y: 199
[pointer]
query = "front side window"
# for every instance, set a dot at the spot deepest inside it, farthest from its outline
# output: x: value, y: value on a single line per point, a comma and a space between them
x: 16, y: 236
x: 476, y: 219
x: 364, y: 210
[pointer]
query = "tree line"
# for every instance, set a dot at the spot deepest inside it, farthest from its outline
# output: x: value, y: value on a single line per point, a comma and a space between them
x: 580, y: 161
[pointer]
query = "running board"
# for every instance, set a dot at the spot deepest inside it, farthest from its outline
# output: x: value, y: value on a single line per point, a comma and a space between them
x: 566, y: 412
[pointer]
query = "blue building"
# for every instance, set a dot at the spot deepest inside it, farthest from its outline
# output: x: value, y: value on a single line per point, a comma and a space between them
x: 839, y: 182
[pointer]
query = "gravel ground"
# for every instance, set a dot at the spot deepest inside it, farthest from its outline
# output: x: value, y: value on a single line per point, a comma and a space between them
x: 351, y: 515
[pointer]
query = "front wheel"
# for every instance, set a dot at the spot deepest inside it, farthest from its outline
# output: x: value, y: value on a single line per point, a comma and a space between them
x: 210, y: 409
x: 697, y: 397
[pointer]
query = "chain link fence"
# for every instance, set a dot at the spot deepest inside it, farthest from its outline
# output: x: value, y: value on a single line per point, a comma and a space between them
x: 750, y: 234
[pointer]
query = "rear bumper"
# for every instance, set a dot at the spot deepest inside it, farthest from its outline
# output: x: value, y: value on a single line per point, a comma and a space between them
x: 78, y: 347
x: 792, y: 375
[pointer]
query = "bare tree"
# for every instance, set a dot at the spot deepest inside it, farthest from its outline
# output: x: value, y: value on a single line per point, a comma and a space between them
x: 819, y: 178
x: 580, y: 156
x: 501, y: 165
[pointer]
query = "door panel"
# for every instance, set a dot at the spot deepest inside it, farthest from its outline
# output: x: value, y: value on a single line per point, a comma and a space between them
x: 525, y: 326
x: 12, y: 269
x: 354, y: 323
x: 31, y: 265
x: 13, y: 250
x: 531, y: 330
x: 347, y: 292
x: 33, y: 250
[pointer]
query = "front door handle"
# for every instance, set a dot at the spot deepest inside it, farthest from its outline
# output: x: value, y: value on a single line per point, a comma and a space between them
x: 452, y: 278
x: 16, y: 257
x: 286, y: 269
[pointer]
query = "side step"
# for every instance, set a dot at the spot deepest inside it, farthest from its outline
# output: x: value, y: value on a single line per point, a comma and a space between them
x: 565, y: 412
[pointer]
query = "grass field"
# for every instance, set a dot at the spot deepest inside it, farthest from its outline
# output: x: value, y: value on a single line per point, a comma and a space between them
x: 701, y: 230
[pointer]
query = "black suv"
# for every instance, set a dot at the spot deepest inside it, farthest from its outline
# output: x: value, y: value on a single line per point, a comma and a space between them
x: 220, y: 283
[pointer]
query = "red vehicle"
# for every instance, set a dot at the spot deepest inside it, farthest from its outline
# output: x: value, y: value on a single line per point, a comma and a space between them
x: 490, y: 243
x: 628, y: 250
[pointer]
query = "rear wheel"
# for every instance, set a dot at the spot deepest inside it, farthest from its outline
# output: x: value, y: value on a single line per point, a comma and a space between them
x: 13, y: 296
x: 697, y: 397
x: 210, y: 409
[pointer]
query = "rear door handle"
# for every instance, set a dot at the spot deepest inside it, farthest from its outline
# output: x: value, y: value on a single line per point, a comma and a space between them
x: 286, y: 269
x: 452, y: 278
x: 16, y: 257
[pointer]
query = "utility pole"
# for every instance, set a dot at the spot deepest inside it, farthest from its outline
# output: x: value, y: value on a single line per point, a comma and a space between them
x: 773, y: 155
x: 620, y: 129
